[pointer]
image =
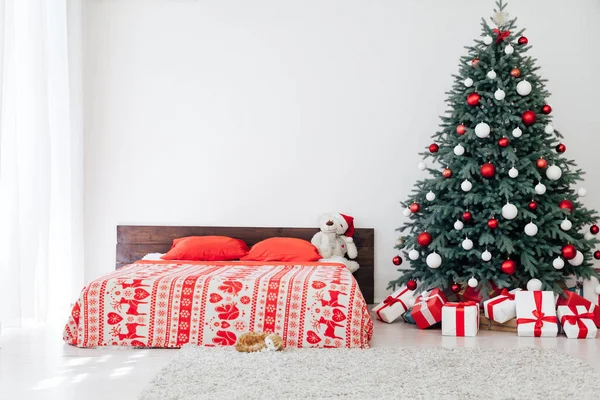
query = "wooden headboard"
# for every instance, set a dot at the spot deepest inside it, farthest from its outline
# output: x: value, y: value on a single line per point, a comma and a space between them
x: 134, y: 242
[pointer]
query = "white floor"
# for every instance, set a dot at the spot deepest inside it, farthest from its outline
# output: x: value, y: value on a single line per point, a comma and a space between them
x: 36, y: 364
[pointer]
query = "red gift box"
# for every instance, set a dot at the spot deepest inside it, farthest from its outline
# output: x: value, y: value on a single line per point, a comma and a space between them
x: 472, y: 294
x: 427, y: 310
x: 573, y: 299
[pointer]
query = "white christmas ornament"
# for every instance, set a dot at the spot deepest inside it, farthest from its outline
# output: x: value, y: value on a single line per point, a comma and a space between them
x: 565, y: 225
x: 588, y: 236
x: 413, y: 254
x: 582, y: 192
x: 531, y: 229
x: 430, y: 196
x: 499, y: 94
x: 523, y: 88
x: 517, y: 132
x: 534, y: 284
x: 509, y: 211
x: 549, y: 129
x: 472, y: 282
x: 509, y: 49
x: 558, y: 263
x: 597, y: 289
x: 467, y: 244
x: 434, y: 260
x: 411, y: 302
x: 486, y: 255
x: 406, y: 212
x: 458, y: 225
x: 468, y: 82
x: 459, y: 150
x: 578, y: 260
x: 487, y: 39
x: 553, y: 173
x: 466, y: 186
x: 482, y: 130
x: 540, y: 188
x: 491, y: 74
x: 513, y: 172
x: 422, y: 166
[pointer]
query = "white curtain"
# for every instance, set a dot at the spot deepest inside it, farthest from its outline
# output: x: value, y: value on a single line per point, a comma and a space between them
x: 41, y: 254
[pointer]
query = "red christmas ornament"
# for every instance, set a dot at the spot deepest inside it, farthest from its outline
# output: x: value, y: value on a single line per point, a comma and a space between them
x: 546, y: 109
x: 515, y: 72
x: 529, y: 118
x: 424, y: 239
x: 566, y: 205
x: 492, y: 223
x: 503, y: 142
x: 455, y: 288
x: 597, y: 254
x: 461, y: 130
x: 533, y: 205
x: 508, y: 267
x: 475, y: 61
x: 523, y: 40
x: 433, y: 148
x: 569, y: 252
x: 467, y: 216
x: 561, y: 148
x: 594, y: 229
x: 411, y: 285
x: 447, y: 173
x: 397, y: 260
x: 414, y: 207
x: 488, y: 170
x: 473, y: 99
x: 541, y: 163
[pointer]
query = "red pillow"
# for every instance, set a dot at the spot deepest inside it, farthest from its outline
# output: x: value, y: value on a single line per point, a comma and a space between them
x: 283, y: 249
x: 207, y: 248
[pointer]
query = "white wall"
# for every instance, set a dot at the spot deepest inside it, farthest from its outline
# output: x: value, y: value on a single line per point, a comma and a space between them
x: 269, y: 112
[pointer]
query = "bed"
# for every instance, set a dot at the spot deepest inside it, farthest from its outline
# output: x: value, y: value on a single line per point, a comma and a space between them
x: 147, y: 303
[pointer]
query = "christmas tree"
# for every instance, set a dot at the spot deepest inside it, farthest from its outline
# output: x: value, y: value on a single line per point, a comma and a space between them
x: 500, y: 210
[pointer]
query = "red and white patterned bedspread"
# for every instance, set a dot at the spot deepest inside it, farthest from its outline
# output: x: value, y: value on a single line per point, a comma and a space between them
x: 167, y: 304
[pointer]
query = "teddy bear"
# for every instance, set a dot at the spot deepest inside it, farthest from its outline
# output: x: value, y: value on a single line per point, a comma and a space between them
x: 334, y: 240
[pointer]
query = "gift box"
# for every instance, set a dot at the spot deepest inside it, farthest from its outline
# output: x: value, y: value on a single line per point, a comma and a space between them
x: 407, y: 317
x: 569, y: 298
x: 460, y: 319
x: 427, y: 310
x: 536, y: 315
x: 394, y: 305
x: 501, y: 308
x: 471, y: 294
x: 572, y: 284
x: 577, y: 322
x: 486, y: 324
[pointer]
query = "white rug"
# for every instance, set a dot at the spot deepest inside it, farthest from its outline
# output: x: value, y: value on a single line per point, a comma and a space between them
x: 379, y: 373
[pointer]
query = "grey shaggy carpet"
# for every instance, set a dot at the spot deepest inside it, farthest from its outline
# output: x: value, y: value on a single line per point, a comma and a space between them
x: 379, y: 373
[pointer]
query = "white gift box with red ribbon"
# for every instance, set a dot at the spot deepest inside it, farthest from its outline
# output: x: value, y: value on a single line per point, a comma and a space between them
x: 536, y: 315
x: 577, y: 321
x: 501, y: 308
x: 460, y: 319
x: 394, y: 305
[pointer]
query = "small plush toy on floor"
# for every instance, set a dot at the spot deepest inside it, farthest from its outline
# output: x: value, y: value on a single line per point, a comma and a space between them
x: 253, y: 341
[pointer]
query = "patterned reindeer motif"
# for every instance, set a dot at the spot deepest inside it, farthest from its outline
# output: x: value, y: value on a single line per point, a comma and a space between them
x: 330, y: 327
x: 333, y: 299
x: 133, y: 306
x: 130, y: 334
x: 134, y: 284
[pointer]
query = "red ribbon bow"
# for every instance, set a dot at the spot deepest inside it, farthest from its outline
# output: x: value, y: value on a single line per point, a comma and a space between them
x: 389, y: 301
x: 504, y: 296
x: 577, y: 319
x: 460, y: 314
x: 501, y: 35
x: 539, y: 316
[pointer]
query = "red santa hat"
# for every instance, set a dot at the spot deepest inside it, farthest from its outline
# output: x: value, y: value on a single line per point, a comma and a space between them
x: 348, y: 223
